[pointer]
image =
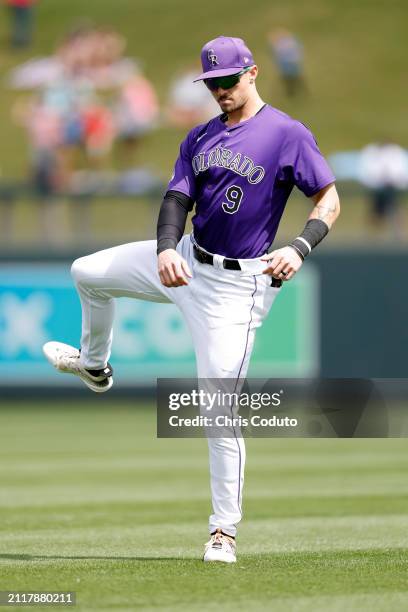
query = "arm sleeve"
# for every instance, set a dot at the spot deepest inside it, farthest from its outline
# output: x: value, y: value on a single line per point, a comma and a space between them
x: 183, y: 179
x: 302, y: 163
x: 172, y: 219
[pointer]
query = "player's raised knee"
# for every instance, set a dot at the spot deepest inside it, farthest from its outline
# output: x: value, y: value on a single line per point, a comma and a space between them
x: 80, y: 270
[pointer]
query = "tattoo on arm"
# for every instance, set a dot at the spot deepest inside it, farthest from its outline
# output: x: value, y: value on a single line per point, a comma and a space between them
x: 325, y: 211
x: 326, y: 206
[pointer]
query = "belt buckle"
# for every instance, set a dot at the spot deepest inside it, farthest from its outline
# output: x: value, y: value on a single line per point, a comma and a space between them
x: 231, y: 264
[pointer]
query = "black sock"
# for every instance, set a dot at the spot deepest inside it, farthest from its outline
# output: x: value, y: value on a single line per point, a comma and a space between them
x: 223, y: 533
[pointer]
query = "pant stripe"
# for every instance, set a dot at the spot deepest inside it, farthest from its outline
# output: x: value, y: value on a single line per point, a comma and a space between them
x: 236, y: 383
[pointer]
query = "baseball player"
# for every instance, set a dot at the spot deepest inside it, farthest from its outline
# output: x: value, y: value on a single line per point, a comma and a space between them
x: 238, y: 170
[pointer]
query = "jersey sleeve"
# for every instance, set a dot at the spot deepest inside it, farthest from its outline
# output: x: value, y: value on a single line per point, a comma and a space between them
x: 302, y: 163
x: 183, y: 178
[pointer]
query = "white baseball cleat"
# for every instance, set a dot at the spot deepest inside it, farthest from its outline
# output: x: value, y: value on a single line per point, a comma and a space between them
x: 220, y: 547
x: 65, y: 358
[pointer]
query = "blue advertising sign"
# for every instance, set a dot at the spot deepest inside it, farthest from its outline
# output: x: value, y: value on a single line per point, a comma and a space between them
x: 38, y: 302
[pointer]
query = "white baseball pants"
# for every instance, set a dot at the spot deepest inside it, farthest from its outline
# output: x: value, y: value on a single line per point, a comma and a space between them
x: 222, y: 309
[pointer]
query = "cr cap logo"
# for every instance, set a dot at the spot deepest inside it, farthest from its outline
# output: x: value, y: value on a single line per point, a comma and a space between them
x: 212, y: 57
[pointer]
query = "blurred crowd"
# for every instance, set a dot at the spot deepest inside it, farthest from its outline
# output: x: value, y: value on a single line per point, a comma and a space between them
x: 86, y: 109
x: 86, y: 96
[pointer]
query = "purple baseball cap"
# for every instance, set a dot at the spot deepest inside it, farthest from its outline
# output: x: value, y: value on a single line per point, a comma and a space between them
x: 224, y: 56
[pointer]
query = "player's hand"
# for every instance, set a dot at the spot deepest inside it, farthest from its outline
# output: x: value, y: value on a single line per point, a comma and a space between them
x: 173, y: 269
x: 282, y: 263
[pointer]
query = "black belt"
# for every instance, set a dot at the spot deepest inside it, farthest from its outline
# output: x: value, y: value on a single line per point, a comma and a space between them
x: 207, y: 258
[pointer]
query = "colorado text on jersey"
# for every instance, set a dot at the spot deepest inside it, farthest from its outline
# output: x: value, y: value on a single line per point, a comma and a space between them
x: 224, y: 158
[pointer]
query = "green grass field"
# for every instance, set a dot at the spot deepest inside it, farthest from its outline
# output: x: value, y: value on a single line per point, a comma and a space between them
x: 92, y: 502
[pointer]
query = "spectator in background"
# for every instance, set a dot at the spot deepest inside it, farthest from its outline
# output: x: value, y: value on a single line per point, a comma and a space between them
x: 97, y: 55
x: 107, y: 65
x: 22, y: 17
x: 44, y: 130
x: 384, y: 172
x: 287, y: 52
x: 98, y: 133
x: 189, y: 103
x: 136, y: 113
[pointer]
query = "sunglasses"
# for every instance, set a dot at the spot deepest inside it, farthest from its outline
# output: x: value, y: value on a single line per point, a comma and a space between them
x: 225, y: 82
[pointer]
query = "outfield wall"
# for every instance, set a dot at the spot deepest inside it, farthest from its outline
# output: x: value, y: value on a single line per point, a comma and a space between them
x: 345, y: 315
x: 364, y: 313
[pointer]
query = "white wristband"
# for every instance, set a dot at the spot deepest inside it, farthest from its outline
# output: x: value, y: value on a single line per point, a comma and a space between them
x: 305, y: 242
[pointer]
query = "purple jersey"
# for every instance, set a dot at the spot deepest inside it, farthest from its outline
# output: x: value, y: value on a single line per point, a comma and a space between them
x: 241, y: 177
